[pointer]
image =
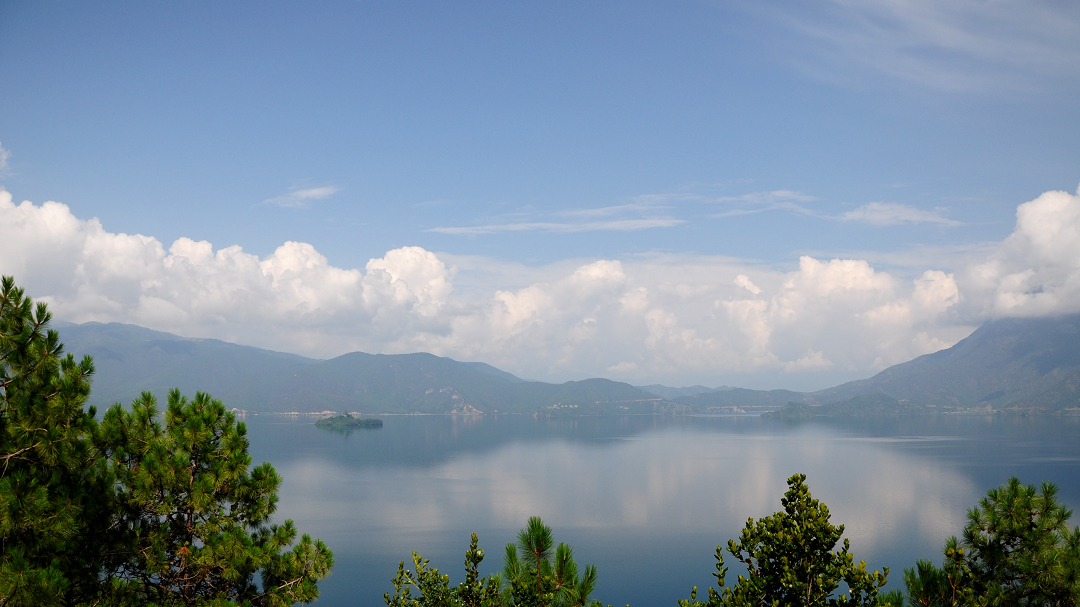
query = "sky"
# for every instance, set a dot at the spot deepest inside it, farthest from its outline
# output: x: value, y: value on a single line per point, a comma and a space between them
x: 765, y: 195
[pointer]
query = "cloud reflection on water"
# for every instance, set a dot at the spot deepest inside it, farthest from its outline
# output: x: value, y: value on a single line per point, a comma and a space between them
x: 675, y: 481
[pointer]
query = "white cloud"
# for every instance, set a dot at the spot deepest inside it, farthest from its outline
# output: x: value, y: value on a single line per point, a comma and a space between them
x: 888, y: 214
x: 302, y: 199
x: 742, y: 280
x: 813, y: 360
x: 1036, y: 270
x: 669, y: 318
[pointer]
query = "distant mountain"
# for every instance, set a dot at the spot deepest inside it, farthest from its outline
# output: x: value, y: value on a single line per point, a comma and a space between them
x: 1011, y: 364
x: 131, y: 359
x: 673, y: 393
x: 1005, y: 365
x: 739, y: 399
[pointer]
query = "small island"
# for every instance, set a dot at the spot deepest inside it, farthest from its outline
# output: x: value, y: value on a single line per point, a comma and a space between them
x: 348, y: 422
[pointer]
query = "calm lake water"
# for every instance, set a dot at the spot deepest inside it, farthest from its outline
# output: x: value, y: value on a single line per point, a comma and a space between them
x: 646, y: 499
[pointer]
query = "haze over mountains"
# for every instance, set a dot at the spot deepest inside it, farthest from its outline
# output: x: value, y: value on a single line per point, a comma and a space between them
x: 131, y: 359
x: 1015, y: 363
x: 1012, y: 365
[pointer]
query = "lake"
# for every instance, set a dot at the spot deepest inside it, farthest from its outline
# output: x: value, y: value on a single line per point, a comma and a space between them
x: 647, y: 499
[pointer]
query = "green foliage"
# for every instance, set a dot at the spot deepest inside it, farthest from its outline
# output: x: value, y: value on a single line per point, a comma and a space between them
x: 948, y: 586
x: 1017, y: 549
x: 348, y: 422
x: 434, y: 588
x: 891, y: 598
x: 535, y: 579
x: 1020, y: 548
x: 53, y: 493
x: 533, y: 576
x: 194, y: 521
x: 130, y: 512
x: 790, y: 560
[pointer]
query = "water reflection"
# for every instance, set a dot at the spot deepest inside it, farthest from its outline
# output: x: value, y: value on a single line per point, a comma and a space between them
x: 646, y: 499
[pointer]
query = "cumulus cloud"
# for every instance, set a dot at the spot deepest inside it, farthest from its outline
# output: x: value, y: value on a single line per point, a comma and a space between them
x: 887, y: 214
x: 742, y: 280
x: 1036, y: 270
x: 669, y: 318
x: 302, y: 198
x: 4, y: 155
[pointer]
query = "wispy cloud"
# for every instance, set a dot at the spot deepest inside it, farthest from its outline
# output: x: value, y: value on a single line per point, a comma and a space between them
x: 4, y: 155
x: 770, y: 196
x: 645, y: 212
x: 662, y: 211
x: 635, y: 207
x: 760, y: 202
x: 302, y: 199
x: 873, y: 213
x: 890, y: 214
x: 962, y: 45
x: 616, y: 225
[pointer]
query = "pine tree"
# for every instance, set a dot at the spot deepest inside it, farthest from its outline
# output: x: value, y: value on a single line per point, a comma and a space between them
x: 790, y: 560
x: 53, y: 493
x: 533, y: 575
x: 534, y: 579
x: 1020, y: 549
x: 951, y: 585
x: 193, y: 519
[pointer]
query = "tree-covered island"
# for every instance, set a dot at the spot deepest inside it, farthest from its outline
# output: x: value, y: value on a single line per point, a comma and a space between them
x: 348, y: 422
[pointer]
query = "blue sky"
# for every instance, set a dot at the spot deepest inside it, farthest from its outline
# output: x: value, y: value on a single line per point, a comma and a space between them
x: 519, y: 142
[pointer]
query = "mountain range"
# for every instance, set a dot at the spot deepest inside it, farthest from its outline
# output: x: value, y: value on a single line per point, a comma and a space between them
x: 1019, y: 365
x: 131, y: 359
x: 1014, y: 364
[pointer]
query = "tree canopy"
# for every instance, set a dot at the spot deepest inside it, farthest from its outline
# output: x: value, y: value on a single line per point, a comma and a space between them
x: 132, y: 511
x: 1016, y: 549
x: 790, y: 560
x: 195, y: 521
x: 53, y: 489
x: 536, y: 573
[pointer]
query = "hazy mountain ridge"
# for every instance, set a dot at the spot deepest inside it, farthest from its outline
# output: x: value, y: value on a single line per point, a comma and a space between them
x: 670, y: 393
x: 1011, y: 364
x: 1016, y: 363
x: 739, y: 399
x: 131, y: 359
